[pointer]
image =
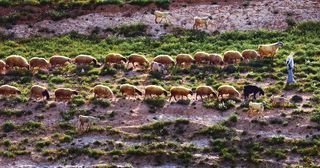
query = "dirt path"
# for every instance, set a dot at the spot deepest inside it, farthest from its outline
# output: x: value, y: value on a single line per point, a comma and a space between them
x: 251, y: 15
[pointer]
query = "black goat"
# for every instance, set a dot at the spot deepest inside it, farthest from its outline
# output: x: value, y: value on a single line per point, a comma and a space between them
x: 252, y: 89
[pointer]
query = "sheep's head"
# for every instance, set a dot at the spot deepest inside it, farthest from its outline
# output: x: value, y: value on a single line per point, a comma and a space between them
x: 46, y: 94
x: 18, y: 92
x: 279, y: 43
x: 124, y: 59
x: 191, y: 92
x: 165, y: 93
x: 96, y: 63
x: 261, y: 92
x: 210, y: 17
x: 75, y: 92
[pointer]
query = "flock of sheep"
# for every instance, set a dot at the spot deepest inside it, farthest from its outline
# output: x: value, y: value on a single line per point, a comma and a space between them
x: 159, y: 63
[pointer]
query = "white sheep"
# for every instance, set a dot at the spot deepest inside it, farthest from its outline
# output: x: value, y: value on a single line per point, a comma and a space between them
x: 158, y: 67
x: 161, y: 15
x: 255, y: 107
x: 89, y: 120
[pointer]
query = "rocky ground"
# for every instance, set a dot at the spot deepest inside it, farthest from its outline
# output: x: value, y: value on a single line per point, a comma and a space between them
x: 244, y: 15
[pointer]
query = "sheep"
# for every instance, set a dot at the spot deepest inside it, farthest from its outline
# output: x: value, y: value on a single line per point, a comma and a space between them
x: 187, y: 59
x: 130, y: 90
x: 155, y: 90
x: 250, y: 54
x: 39, y: 92
x: 102, y: 91
x: 140, y: 59
x: 227, y: 89
x: 8, y: 90
x: 269, y: 49
x: 255, y: 108
x: 39, y: 63
x: 16, y: 61
x: 164, y: 59
x: 115, y: 58
x: 89, y: 120
x: 279, y: 101
x: 232, y: 56
x: 205, y: 91
x: 161, y: 15
x: 201, y: 57
x: 215, y: 59
x: 64, y: 94
x: 86, y: 59
x: 58, y: 60
x: 251, y: 89
x: 158, y: 67
x: 180, y: 91
x: 201, y: 21
x: 2, y: 67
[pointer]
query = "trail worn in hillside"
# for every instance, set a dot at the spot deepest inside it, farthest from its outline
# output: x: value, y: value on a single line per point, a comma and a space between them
x: 249, y: 15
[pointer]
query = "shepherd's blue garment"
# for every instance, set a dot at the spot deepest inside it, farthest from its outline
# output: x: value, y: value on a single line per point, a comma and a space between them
x: 290, y: 65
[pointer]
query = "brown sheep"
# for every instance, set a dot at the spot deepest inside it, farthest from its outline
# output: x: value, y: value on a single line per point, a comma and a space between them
x: 187, y: 59
x: 232, y: 57
x: 155, y: 90
x: 129, y: 90
x: 227, y: 89
x: 215, y: 59
x: 269, y: 49
x: 39, y: 63
x: 164, y: 59
x: 140, y: 59
x: 201, y: 21
x: 7, y: 90
x: 201, y: 57
x: 86, y: 59
x: 115, y: 58
x: 102, y: 91
x: 58, y: 60
x: 64, y: 94
x: 180, y: 91
x: 17, y: 61
x: 250, y: 54
x: 2, y: 67
x: 39, y: 92
x: 205, y: 91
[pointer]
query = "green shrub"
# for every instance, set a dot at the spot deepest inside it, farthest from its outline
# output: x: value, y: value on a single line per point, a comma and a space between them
x: 221, y: 106
x: 183, y: 101
x: 296, y: 99
x: 104, y: 103
x: 108, y: 71
x: 77, y: 101
x: 8, y: 126
x: 158, y: 102
x: 16, y: 112
x: 315, y: 116
x: 30, y: 126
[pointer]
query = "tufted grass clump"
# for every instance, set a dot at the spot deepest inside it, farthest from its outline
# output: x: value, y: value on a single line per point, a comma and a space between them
x: 221, y: 106
x: 14, y: 112
x: 157, y: 102
x: 104, y: 103
x: 8, y: 126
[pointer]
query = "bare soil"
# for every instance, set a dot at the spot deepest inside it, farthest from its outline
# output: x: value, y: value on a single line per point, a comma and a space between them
x: 230, y: 15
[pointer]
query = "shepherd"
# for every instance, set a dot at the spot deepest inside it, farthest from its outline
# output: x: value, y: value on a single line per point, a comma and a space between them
x: 290, y: 65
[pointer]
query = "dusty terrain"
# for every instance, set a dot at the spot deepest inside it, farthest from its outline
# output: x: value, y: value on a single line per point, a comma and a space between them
x: 234, y: 15
x: 132, y: 133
